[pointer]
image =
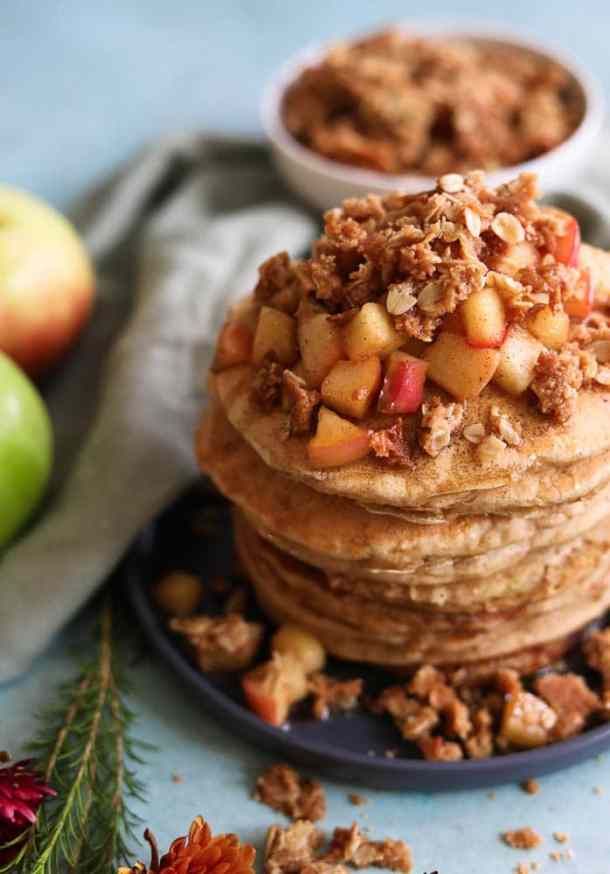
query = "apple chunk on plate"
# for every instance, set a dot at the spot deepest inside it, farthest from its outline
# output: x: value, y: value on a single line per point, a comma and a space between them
x: 337, y: 441
x: 273, y: 687
x: 550, y: 326
x: 320, y: 344
x: 275, y: 335
x: 351, y: 387
x: 518, y: 356
x: 459, y: 368
x: 371, y: 332
x: 403, y: 386
x: 484, y: 319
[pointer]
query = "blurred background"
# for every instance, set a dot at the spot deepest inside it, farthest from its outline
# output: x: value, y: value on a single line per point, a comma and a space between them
x: 85, y: 83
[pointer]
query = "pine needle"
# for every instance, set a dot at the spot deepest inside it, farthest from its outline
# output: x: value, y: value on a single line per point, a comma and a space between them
x: 84, y: 748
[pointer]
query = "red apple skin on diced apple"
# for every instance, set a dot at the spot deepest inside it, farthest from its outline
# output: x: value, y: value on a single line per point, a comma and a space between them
x: 337, y: 441
x: 518, y: 356
x: 459, y: 368
x: 352, y: 387
x: 403, y: 385
x: 484, y: 319
x: 550, y: 326
x: 580, y: 306
x: 566, y: 248
x: 273, y: 687
x: 234, y: 345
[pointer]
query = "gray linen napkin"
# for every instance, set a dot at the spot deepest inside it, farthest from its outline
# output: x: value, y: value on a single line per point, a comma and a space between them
x: 176, y: 235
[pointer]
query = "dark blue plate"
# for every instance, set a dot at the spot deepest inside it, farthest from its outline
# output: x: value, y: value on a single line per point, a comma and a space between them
x: 195, y: 534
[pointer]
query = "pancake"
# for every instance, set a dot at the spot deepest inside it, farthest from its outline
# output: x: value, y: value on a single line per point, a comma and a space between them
x: 384, y: 547
x: 350, y: 629
x: 554, y: 464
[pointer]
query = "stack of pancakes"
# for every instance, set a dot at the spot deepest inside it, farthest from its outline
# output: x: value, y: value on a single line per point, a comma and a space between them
x: 451, y: 561
x: 451, y: 556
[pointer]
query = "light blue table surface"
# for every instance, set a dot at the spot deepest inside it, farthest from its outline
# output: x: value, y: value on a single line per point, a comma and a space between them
x: 84, y: 84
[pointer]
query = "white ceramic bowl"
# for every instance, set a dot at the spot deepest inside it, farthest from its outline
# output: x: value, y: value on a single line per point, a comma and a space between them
x: 324, y: 183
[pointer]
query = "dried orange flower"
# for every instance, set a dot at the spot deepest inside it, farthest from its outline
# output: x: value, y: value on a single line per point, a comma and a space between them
x: 198, y: 853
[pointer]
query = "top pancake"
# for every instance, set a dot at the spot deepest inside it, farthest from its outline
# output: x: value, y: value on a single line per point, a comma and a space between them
x: 555, y: 462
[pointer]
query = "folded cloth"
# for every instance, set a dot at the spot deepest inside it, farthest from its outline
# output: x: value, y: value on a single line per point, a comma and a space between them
x: 176, y: 236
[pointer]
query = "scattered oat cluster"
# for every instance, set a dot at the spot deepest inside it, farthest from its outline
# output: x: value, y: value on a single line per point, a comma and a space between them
x: 298, y: 848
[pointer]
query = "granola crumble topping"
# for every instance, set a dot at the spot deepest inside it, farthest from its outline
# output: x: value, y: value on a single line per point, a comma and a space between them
x: 331, y: 696
x: 267, y: 384
x: 556, y: 383
x: 303, y: 403
x: 439, y: 423
x: 283, y: 789
x: 391, y: 102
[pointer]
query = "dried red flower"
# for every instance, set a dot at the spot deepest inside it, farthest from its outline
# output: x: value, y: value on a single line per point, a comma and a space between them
x: 22, y: 791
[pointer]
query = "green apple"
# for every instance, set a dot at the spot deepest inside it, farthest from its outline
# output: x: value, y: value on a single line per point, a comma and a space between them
x: 46, y: 281
x: 26, y: 448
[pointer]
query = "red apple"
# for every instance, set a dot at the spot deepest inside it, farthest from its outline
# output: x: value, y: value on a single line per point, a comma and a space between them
x: 234, y: 345
x: 580, y: 307
x: 566, y: 248
x: 551, y: 327
x: 46, y: 281
x: 484, y: 319
x: 403, y: 385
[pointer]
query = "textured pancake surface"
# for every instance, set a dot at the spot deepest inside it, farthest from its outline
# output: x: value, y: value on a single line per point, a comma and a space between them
x: 555, y: 462
x: 345, y: 538
x: 360, y: 629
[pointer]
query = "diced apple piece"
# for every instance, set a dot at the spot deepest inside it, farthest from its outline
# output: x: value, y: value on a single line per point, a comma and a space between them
x: 352, y: 386
x: 566, y: 248
x: 275, y: 335
x: 234, y: 345
x: 527, y: 721
x: 550, y: 326
x: 580, y: 306
x: 371, y: 332
x: 484, y: 319
x: 518, y: 356
x: 273, y: 687
x: 336, y: 441
x: 460, y: 369
x: 516, y: 258
x: 292, y: 640
x: 321, y: 345
x: 403, y: 385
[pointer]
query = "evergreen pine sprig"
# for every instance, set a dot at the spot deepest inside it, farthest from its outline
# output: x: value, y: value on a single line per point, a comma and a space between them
x: 86, y: 751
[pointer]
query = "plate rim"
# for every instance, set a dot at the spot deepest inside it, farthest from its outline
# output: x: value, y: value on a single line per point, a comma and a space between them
x: 432, y: 776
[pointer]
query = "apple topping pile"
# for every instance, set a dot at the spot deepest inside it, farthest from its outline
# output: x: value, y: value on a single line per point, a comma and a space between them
x: 394, y: 103
x: 456, y: 288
